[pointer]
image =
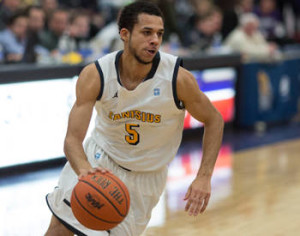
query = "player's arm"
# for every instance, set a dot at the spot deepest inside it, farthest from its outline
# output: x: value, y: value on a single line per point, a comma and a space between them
x: 87, y: 90
x: 199, y: 106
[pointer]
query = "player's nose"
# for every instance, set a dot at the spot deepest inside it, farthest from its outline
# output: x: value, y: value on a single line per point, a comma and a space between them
x: 155, y: 40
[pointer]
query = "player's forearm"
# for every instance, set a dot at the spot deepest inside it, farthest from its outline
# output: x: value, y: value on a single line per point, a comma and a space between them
x: 212, y: 139
x: 75, y: 154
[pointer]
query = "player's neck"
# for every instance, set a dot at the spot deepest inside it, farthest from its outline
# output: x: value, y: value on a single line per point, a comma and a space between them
x: 132, y: 72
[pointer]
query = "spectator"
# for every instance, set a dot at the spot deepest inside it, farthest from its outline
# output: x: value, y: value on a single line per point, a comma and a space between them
x: 57, y: 26
x: 200, y: 9
x: 171, y: 24
x: 271, y: 24
x: 36, y: 18
x: 36, y: 23
x: 7, y: 10
x: 206, y: 32
x: 48, y: 6
x: 13, y: 38
x: 26, y: 3
x: 183, y: 10
x: 248, y: 40
x: 98, y: 22
x: 245, y: 6
x: 90, y: 5
x: 76, y: 38
x: 232, y: 13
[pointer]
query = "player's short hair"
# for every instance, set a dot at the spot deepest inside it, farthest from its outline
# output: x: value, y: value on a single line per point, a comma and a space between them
x: 129, y: 14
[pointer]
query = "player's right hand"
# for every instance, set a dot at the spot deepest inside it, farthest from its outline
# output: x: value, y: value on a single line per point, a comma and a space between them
x: 85, y: 172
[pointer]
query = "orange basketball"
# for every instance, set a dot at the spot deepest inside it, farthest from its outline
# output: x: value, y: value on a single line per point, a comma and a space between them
x: 100, y: 201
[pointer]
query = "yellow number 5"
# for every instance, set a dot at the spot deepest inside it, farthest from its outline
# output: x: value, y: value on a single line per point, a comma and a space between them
x: 134, y: 137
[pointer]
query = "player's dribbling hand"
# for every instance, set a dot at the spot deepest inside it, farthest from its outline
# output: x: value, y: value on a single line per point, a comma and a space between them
x: 85, y: 172
x: 197, y: 197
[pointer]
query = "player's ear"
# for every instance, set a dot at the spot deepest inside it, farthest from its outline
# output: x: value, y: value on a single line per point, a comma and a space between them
x: 124, y: 34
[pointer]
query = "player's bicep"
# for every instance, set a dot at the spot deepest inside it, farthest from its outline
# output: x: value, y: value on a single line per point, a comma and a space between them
x: 87, y: 91
x: 79, y: 120
x: 194, y: 100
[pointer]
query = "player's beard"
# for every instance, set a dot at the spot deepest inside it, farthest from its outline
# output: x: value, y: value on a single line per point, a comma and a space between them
x: 136, y: 56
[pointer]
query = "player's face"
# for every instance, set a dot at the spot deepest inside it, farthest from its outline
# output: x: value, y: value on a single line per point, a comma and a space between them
x: 146, y: 38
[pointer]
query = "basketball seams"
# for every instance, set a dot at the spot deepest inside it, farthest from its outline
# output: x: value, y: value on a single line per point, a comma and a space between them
x: 112, y: 204
x: 98, y: 218
x: 124, y: 192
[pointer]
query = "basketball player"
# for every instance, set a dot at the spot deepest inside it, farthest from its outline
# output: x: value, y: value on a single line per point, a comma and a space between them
x: 140, y: 95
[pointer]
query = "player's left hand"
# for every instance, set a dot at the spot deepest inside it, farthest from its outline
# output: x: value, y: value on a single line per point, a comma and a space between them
x: 197, y: 196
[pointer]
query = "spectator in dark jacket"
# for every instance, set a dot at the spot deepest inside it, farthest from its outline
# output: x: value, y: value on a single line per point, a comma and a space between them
x: 7, y: 9
x: 57, y: 25
x: 36, y: 23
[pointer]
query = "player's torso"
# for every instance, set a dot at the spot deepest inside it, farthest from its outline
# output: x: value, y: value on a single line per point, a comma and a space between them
x: 139, y: 126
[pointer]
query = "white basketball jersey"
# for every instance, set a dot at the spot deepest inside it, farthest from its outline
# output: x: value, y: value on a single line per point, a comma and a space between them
x: 140, y: 129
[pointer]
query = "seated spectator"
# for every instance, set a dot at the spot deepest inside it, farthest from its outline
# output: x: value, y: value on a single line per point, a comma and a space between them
x: 7, y: 9
x: 36, y: 23
x: 36, y: 18
x: 76, y: 37
x: 48, y: 6
x: 233, y: 13
x: 79, y: 4
x: 245, y: 6
x: 98, y: 22
x: 57, y: 26
x: 206, y: 32
x: 13, y: 38
x: 270, y: 19
x: 248, y: 40
x: 201, y: 8
x: 183, y: 12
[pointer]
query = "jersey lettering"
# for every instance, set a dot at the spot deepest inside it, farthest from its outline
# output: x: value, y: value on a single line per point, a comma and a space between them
x: 135, y: 114
x: 133, y: 137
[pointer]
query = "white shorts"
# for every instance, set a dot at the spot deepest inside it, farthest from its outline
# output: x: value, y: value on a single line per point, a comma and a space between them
x: 144, y: 188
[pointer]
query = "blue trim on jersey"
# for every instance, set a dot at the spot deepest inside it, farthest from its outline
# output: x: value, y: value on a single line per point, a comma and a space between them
x: 155, y: 64
x: 101, y: 79
x: 117, y: 60
x: 178, y: 103
x: 151, y: 73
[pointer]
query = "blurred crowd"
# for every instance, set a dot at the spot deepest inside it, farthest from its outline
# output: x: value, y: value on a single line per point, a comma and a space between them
x: 77, y: 31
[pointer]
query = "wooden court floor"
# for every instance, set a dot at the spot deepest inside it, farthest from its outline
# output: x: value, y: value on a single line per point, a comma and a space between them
x: 264, y: 198
x: 255, y: 192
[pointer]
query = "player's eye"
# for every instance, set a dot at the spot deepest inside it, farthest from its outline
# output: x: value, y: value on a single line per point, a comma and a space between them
x: 160, y: 34
x: 147, y: 33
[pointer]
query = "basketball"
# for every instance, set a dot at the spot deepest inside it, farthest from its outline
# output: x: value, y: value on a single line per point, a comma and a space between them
x: 100, y: 201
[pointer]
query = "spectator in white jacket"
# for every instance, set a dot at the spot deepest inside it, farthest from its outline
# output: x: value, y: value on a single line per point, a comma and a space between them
x: 249, y: 41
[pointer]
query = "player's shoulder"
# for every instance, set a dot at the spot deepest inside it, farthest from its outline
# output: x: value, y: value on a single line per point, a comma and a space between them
x: 92, y: 69
x: 167, y: 56
x: 108, y: 58
x: 89, y: 77
x: 184, y: 75
x: 170, y: 61
x: 89, y: 71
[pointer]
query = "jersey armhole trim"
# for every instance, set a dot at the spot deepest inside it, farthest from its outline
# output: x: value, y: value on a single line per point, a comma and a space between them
x: 178, y: 103
x: 101, y: 80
